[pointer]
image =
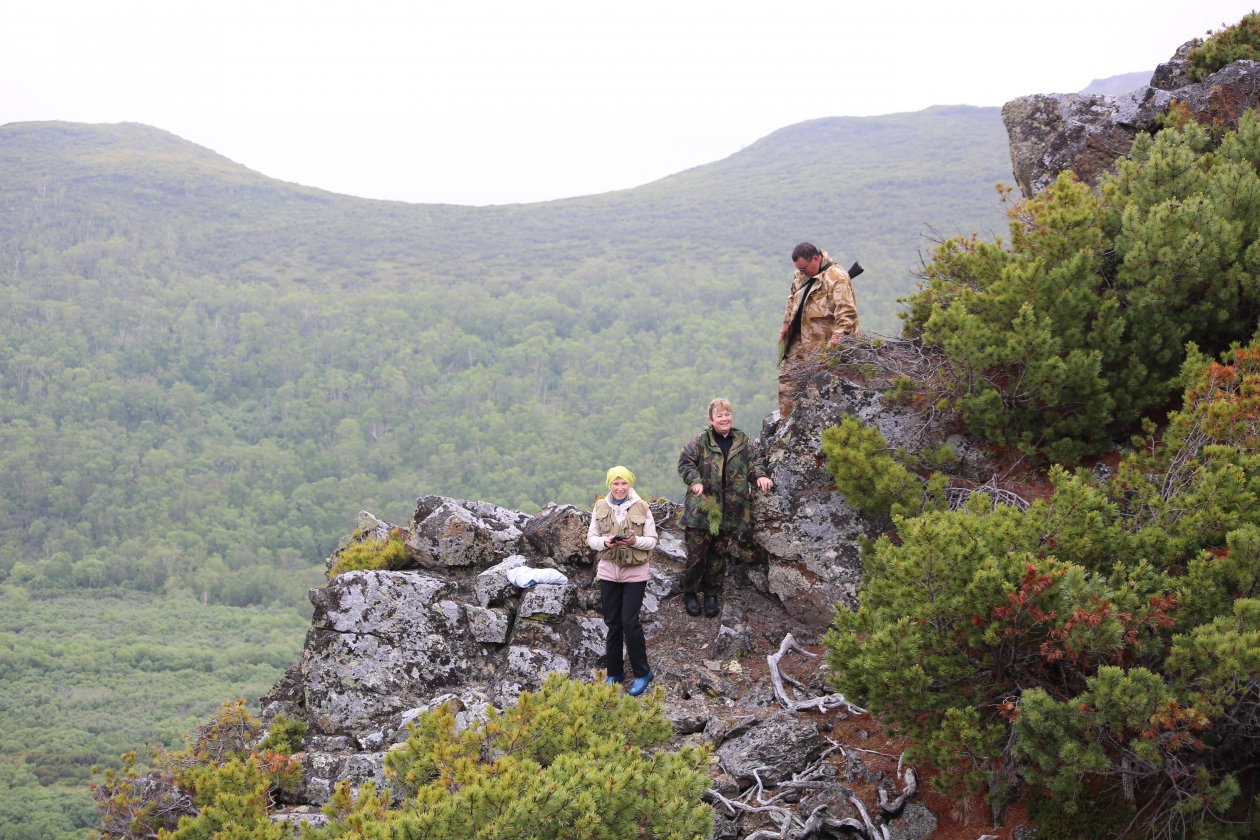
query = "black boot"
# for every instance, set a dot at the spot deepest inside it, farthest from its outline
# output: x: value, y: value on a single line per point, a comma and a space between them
x: 693, y: 606
x: 710, y: 605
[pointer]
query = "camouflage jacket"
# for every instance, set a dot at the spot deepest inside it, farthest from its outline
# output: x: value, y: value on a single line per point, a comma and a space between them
x: 830, y: 309
x: 729, y: 480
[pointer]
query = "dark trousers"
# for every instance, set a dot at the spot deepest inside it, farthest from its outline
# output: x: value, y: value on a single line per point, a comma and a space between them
x: 706, y: 560
x: 621, y: 602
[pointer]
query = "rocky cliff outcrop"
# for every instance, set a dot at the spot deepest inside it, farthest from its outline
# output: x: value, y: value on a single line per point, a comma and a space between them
x: 385, y: 646
x: 1086, y: 133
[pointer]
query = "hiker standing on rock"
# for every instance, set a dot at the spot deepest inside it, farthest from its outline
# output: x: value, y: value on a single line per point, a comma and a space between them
x: 624, y: 533
x: 718, y: 466
x: 820, y: 310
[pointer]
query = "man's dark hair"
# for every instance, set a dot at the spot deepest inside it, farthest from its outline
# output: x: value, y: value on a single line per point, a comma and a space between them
x: 804, y: 251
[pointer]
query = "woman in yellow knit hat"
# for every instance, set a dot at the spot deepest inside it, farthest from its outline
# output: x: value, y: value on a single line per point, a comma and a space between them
x: 624, y: 533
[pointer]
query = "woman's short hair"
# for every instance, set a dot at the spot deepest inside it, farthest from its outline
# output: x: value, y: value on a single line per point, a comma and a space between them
x: 720, y: 402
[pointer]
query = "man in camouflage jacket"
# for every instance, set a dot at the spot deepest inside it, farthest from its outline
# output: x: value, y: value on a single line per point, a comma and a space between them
x: 828, y: 314
x: 719, y: 467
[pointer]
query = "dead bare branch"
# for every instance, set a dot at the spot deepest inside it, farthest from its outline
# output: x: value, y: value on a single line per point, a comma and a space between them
x: 824, y: 704
x: 866, y: 818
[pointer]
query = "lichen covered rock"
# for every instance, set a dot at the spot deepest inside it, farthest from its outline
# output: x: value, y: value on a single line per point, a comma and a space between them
x: 381, y: 642
x: 558, y: 532
x: 386, y: 646
x: 782, y: 745
x: 1087, y: 133
x: 452, y: 532
x: 810, y: 536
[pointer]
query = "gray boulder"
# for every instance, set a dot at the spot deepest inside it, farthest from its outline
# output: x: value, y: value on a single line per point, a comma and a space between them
x: 1053, y: 132
x: 1174, y: 74
x: 488, y: 625
x: 382, y: 642
x: 669, y: 549
x: 783, y: 744
x: 527, y: 669
x: 576, y: 638
x: 915, y: 822
x: 545, y: 601
x: 559, y: 533
x: 734, y: 637
x: 493, y: 587
x: 322, y: 771
x: 1087, y: 133
x: 666, y: 581
x: 835, y: 796
x: 453, y: 532
x: 808, y: 533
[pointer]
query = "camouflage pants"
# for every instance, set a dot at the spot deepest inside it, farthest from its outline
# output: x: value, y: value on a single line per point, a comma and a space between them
x: 706, y: 560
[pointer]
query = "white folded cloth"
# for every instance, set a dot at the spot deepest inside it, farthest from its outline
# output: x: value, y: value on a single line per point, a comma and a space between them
x: 524, y: 576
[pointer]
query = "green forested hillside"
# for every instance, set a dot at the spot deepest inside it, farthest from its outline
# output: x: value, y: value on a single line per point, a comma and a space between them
x: 87, y: 676
x: 204, y: 373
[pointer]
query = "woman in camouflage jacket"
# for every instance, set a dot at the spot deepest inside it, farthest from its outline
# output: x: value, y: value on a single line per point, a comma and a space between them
x: 719, y: 467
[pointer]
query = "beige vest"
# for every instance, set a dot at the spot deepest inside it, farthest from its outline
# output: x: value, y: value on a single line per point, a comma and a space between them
x: 632, y: 525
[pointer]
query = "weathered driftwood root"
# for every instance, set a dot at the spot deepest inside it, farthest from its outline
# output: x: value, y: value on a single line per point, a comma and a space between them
x: 812, y: 825
x: 791, y: 827
x: 847, y: 822
x: 790, y: 824
x: 891, y: 806
x: 783, y: 816
x: 866, y: 818
x: 822, y: 704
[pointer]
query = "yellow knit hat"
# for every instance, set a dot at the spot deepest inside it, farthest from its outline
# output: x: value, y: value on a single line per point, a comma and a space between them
x: 619, y: 472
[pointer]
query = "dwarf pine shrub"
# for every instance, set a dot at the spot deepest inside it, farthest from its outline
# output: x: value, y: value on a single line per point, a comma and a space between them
x: 567, y: 761
x: 1103, y: 645
x: 1229, y: 44
x: 1062, y: 340
x: 571, y: 760
x: 221, y: 784
x: 868, y: 476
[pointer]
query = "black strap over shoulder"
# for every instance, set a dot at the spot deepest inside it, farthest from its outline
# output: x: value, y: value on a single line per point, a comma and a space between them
x: 794, y: 331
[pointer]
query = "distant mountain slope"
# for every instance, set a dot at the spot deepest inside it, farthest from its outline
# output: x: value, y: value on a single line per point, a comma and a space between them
x: 1116, y: 85
x: 864, y: 187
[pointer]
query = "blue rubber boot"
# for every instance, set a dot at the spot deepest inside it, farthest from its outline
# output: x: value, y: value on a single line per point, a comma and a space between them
x: 612, y: 679
x: 639, y: 685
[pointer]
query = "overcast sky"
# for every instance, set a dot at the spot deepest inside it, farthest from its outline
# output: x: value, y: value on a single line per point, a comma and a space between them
x: 498, y: 102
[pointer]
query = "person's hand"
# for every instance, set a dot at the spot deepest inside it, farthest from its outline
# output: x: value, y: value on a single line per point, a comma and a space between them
x: 765, y: 484
x: 837, y: 338
x: 611, y: 542
x: 783, y: 331
x: 698, y: 489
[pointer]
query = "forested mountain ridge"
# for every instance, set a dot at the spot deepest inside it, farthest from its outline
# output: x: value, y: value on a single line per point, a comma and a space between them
x: 854, y: 182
